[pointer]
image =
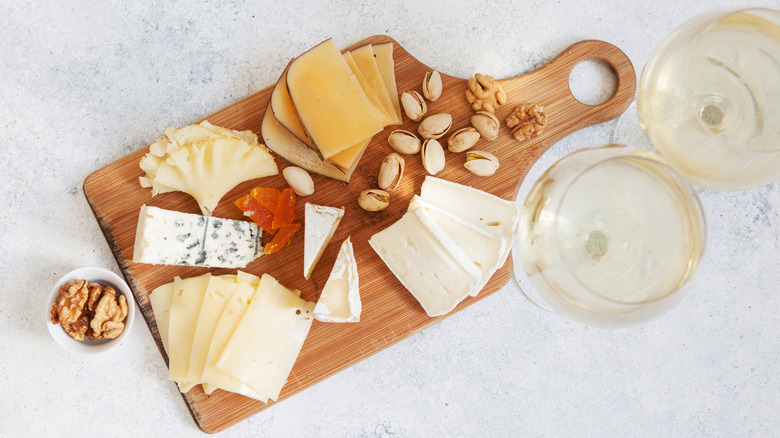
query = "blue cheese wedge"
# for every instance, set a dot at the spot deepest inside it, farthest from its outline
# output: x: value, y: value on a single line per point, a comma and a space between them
x: 427, y: 262
x: 320, y: 223
x: 340, y: 298
x: 485, y: 248
x: 165, y: 237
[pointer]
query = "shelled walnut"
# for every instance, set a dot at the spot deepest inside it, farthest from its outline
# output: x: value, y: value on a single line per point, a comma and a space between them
x: 484, y: 93
x: 90, y: 310
x: 527, y: 121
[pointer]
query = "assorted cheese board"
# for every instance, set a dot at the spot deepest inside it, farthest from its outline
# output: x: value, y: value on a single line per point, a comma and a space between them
x: 389, y: 312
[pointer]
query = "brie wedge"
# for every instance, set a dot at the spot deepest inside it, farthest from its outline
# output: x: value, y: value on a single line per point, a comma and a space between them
x: 320, y: 223
x: 340, y: 298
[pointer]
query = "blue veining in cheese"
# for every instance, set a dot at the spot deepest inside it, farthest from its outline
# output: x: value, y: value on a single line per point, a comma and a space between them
x: 165, y: 237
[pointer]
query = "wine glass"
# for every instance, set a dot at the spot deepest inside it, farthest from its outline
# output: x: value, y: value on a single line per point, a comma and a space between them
x: 612, y: 236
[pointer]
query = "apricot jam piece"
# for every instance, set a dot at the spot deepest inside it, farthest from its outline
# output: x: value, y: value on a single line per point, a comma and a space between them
x: 282, y: 238
x: 259, y: 214
x: 267, y: 197
x: 285, y: 209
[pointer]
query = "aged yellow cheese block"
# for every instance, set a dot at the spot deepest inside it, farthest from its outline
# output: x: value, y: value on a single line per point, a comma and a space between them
x: 364, y: 58
x: 330, y: 103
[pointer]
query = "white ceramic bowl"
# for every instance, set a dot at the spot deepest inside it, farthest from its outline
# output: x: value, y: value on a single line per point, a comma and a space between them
x: 87, y: 346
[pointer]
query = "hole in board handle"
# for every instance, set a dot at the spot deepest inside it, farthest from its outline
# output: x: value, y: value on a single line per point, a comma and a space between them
x: 592, y: 82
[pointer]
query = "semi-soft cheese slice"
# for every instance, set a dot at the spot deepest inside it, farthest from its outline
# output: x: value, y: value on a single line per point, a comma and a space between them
x: 340, y: 298
x: 364, y: 58
x: 329, y: 101
x: 263, y: 349
x: 292, y: 149
x: 284, y: 111
x: 475, y: 206
x: 185, y: 307
x: 212, y: 377
x: 383, y: 53
x: 366, y: 86
x: 349, y: 158
x: 161, y: 298
x: 485, y: 248
x: 320, y: 222
x: 427, y: 262
x: 218, y: 292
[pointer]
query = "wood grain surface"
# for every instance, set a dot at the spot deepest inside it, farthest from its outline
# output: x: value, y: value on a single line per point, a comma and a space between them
x: 390, y: 313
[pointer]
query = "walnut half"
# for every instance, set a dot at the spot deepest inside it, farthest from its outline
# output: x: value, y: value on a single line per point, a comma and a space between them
x: 484, y: 93
x: 527, y: 120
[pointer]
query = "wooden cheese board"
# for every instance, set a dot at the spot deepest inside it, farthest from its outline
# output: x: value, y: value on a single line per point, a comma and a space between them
x: 390, y: 313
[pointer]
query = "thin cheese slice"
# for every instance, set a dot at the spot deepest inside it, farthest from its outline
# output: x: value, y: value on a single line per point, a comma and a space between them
x: 426, y: 261
x: 320, y: 222
x: 364, y: 58
x: 282, y: 106
x: 268, y: 339
x: 289, y: 147
x: 161, y: 299
x: 483, y: 247
x: 349, y: 158
x: 383, y: 53
x: 218, y: 292
x: 366, y: 86
x: 185, y: 307
x: 329, y: 101
x: 228, y: 321
x: 475, y: 206
x: 340, y: 298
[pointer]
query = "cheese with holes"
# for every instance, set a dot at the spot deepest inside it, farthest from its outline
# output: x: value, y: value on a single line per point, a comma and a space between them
x: 364, y: 58
x: 478, y: 207
x: 320, y: 222
x: 263, y: 348
x: 340, y: 298
x: 427, y: 262
x: 383, y: 53
x: 331, y: 105
x: 160, y: 299
x: 485, y: 248
x: 165, y: 237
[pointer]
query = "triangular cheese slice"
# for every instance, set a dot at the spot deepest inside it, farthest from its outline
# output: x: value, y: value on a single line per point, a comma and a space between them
x: 320, y: 222
x: 340, y: 298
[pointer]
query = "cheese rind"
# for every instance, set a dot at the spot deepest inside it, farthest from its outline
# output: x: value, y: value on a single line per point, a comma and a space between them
x: 340, y: 298
x: 263, y: 349
x: 330, y: 103
x: 284, y: 111
x: 165, y: 237
x: 485, y: 248
x: 320, y: 223
x: 427, y: 262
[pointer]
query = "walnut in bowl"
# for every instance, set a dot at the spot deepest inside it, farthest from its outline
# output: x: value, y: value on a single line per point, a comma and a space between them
x: 90, y: 311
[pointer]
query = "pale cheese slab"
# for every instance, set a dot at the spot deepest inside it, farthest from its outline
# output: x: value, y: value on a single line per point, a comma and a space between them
x: 215, y: 298
x: 340, y: 298
x: 161, y: 299
x: 185, y: 307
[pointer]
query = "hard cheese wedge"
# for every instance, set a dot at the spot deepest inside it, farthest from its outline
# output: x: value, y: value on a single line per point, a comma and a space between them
x: 340, y: 298
x: 332, y: 107
x: 485, y: 248
x: 284, y: 111
x: 475, y: 206
x: 262, y: 350
x: 427, y: 262
x: 185, y: 307
x: 320, y: 223
x: 364, y: 58
x: 383, y: 53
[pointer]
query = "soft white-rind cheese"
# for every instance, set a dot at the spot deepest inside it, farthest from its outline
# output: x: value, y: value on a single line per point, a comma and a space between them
x: 340, y: 298
x: 427, y: 262
x: 320, y: 222
x: 165, y: 237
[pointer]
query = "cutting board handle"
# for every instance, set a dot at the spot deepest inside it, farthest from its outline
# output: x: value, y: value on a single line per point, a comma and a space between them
x: 549, y: 86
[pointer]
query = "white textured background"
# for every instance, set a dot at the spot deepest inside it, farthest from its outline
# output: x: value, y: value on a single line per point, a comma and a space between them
x: 83, y: 83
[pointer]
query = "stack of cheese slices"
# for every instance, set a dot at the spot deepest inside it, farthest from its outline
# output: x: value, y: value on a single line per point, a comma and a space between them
x: 327, y: 106
x: 449, y: 243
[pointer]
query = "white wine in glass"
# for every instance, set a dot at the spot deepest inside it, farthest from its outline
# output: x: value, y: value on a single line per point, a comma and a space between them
x: 709, y: 99
x: 611, y: 236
